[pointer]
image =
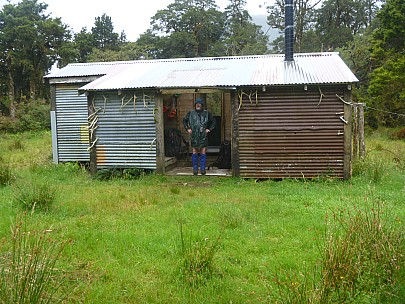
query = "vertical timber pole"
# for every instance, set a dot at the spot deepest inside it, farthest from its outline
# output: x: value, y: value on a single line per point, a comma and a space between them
x: 235, y: 135
x: 347, y: 129
x: 361, y: 131
x: 355, y: 132
x: 92, y: 135
x: 160, y: 143
x: 54, y: 125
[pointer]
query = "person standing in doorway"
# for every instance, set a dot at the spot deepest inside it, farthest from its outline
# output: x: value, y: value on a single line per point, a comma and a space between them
x: 198, y: 123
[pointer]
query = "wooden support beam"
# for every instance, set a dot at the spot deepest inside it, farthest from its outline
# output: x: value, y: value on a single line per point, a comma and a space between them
x: 160, y: 140
x: 362, y: 147
x: 355, y: 132
x: 235, y: 135
x: 347, y: 129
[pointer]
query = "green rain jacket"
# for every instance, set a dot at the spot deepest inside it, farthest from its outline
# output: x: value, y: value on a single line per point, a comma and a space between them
x: 198, y: 122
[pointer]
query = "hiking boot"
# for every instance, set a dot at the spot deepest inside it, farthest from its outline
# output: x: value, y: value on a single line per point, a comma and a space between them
x: 203, y: 172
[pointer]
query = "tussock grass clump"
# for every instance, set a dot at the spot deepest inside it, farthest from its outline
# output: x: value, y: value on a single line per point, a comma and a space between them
x: 372, y: 168
x: 16, y: 144
x: 27, y: 270
x: 33, y: 196
x: 197, y: 258
x: 361, y: 259
x: 6, y: 175
x: 231, y: 219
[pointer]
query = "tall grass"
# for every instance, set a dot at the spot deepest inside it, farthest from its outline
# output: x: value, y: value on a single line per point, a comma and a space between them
x: 197, y: 258
x: 31, y: 196
x: 127, y: 247
x: 361, y: 256
x: 6, y: 175
x: 28, y: 273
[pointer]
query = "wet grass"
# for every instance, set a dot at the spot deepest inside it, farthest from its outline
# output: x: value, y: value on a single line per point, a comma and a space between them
x: 237, y: 235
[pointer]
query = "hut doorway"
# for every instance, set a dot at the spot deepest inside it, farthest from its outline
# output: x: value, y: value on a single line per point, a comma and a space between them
x: 175, y: 107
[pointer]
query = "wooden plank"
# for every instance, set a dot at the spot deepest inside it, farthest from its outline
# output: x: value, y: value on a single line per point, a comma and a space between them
x: 347, y: 130
x: 235, y: 135
x: 362, y: 147
x: 160, y: 146
x: 355, y: 131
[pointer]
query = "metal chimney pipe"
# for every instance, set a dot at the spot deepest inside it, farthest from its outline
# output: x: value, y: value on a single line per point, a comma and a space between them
x: 289, y: 30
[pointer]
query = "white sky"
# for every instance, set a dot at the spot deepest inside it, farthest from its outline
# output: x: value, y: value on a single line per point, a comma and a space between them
x: 133, y: 17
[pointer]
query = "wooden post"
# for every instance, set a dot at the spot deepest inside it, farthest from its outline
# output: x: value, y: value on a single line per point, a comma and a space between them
x: 347, y: 129
x: 355, y: 131
x: 235, y: 135
x: 160, y: 142
x: 92, y: 136
x: 361, y: 131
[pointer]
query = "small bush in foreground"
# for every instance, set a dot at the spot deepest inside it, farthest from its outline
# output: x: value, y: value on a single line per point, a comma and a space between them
x: 27, y: 271
x: 34, y: 196
x: 362, y: 257
x: 197, y: 259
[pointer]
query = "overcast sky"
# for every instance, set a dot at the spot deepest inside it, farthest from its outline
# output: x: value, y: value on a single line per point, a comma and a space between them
x: 133, y: 17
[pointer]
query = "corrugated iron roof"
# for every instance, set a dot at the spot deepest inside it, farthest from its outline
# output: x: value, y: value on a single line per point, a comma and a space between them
x: 258, y: 70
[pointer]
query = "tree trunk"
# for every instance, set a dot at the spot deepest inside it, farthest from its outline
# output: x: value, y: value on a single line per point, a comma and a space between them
x: 11, y: 94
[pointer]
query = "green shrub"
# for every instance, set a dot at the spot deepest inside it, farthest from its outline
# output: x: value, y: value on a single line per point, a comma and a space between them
x: 7, y: 124
x: 27, y: 270
x: 117, y: 173
x: 34, y: 196
x: 30, y: 115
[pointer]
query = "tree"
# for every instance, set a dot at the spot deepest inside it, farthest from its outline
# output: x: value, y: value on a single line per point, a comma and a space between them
x: 128, y: 51
x: 303, y: 23
x: 104, y: 35
x: 189, y: 28
x: 30, y: 42
x: 84, y: 44
x: 101, y: 40
x: 338, y: 21
x: 242, y: 36
x: 387, y: 81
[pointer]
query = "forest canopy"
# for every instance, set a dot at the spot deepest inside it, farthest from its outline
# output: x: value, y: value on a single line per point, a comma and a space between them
x: 369, y: 34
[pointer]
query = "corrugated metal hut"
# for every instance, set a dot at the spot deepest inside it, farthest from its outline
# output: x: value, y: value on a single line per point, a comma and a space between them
x: 285, y: 119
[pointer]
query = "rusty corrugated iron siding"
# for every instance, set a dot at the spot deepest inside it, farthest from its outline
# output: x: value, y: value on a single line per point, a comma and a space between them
x: 291, y: 133
x: 71, y: 131
x: 126, y: 130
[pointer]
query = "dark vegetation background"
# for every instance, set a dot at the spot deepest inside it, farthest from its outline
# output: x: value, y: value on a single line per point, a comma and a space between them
x: 369, y: 34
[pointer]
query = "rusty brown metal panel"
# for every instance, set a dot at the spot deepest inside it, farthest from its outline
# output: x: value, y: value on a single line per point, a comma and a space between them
x: 291, y: 132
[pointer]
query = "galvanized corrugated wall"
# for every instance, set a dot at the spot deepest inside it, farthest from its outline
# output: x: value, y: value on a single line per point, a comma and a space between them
x: 71, y: 124
x: 291, y: 133
x: 126, y: 131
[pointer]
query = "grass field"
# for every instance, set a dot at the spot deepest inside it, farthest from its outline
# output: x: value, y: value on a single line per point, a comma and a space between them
x: 162, y: 239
